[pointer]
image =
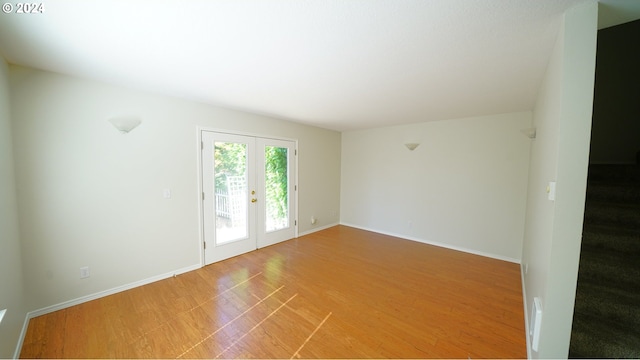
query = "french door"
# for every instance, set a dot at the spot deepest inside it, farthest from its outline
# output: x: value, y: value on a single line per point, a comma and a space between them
x: 248, y: 193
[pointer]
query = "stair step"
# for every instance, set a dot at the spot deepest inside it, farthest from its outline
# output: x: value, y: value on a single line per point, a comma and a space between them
x: 603, y: 303
x: 619, y: 173
x: 608, y: 238
x: 618, y: 215
x: 601, y: 269
x: 606, y: 321
x: 614, y: 192
x: 595, y: 338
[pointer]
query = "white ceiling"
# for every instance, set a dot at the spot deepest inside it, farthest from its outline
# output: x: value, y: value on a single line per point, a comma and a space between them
x: 336, y: 64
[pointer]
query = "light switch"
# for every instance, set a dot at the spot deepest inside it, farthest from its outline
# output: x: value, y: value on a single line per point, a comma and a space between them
x: 166, y: 193
x: 551, y: 190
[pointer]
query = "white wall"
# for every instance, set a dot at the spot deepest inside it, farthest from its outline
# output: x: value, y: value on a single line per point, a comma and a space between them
x: 560, y: 153
x: 90, y: 196
x: 464, y: 187
x: 11, y: 281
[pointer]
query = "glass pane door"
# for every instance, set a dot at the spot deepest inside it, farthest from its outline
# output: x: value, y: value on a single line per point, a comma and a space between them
x: 248, y: 186
x: 275, y: 179
x: 230, y: 176
x: 229, y: 199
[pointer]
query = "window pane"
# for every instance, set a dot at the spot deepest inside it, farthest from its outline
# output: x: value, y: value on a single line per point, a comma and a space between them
x: 230, y: 174
x: 276, y: 188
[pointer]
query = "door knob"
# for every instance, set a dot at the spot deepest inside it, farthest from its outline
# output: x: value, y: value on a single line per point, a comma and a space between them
x: 254, y: 200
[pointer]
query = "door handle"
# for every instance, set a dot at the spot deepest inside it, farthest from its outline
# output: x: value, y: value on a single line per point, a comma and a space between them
x: 254, y: 200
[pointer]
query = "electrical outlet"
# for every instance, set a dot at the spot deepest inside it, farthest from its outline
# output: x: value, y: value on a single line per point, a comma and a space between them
x: 84, y: 272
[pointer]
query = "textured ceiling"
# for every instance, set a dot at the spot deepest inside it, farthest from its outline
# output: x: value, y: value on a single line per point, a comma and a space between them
x: 336, y: 64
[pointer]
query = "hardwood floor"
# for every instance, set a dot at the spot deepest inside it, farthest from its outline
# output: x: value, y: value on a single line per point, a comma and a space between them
x: 337, y: 293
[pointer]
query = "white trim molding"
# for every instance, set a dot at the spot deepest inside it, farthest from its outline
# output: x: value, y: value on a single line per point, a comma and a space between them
x: 90, y: 297
x: 434, y: 243
x: 317, y: 229
x: 526, y: 311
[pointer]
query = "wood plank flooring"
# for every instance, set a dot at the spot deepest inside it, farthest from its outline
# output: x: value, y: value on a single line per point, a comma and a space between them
x: 337, y: 293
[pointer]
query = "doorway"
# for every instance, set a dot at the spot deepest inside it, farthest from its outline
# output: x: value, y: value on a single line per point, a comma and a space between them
x: 249, y: 189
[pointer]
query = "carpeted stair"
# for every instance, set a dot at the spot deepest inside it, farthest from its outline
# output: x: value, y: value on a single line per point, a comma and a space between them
x: 606, y: 319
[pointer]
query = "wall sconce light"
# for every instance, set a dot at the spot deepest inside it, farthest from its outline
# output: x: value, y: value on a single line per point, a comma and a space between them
x: 530, y: 132
x: 411, y: 146
x: 125, y: 123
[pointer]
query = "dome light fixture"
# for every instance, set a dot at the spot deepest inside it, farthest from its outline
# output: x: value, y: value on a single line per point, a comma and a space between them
x: 125, y: 123
x: 412, y: 145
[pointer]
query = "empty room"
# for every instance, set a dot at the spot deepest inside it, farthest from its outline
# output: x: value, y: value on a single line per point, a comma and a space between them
x: 294, y: 179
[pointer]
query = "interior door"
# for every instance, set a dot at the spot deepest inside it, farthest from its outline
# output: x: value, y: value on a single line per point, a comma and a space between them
x: 228, y: 173
x: 249, y: 193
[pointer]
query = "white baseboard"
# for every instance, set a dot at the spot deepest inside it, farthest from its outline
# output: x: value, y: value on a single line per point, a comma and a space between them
x: 83, y: 299
x: 526, y: 313
x: 434, y: 243
x: 318, y: 229
x: 23, y: 332
x: 100, y: 294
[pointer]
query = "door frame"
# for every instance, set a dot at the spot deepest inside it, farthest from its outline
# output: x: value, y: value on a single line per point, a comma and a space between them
x: 199, y: 195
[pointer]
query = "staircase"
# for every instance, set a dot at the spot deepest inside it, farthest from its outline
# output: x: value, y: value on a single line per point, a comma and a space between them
x: 606, y: 319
